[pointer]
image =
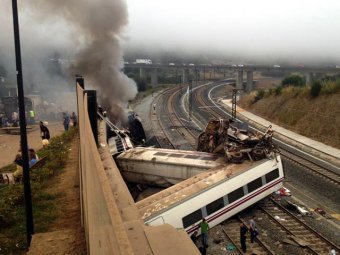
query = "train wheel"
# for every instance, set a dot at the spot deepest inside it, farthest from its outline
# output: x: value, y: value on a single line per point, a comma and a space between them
x: 258, y: 154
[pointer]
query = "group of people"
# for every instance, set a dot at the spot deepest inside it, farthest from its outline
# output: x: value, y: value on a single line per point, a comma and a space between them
x: 32, y: 155
x: 243, y: 231
x: 11, y: 121
x: 204, y: 227
x: 45, y: 137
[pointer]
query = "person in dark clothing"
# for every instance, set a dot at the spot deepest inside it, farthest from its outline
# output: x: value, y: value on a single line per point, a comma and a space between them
x: 66, y: 120
x: 45, y: 133
x: 243, y: 232
x: 203, y: 250
x: 74, y: 119
x: 194, y: 237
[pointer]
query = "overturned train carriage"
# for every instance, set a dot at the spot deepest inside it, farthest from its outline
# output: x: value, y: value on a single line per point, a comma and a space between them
x: 215, y: 195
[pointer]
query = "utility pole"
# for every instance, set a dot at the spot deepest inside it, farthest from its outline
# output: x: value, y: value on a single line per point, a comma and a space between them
x: 23, y: 132
x: 190, y: 99
x: 233, y: 106
x: 180, y: 83
x: 196, y: 76
x: 203, y: 74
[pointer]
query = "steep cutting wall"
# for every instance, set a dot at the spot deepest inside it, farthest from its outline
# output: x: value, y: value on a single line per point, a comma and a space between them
x: 317, y: 118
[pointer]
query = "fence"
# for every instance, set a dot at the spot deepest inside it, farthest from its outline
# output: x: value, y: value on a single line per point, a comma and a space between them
x: 111, y: 220
x: 104, y: 229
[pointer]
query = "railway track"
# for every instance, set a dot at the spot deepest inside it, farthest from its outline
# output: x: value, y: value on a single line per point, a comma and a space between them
x: 288, y: 155
x: 231, y: 229
x: 156, y: 111
x: 291, y: 226
x: 177, y: 119
x: 310, y: 241
x: 311, y: 166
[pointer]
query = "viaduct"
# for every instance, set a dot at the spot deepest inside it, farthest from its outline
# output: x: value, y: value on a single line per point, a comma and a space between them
x: 239, y: 70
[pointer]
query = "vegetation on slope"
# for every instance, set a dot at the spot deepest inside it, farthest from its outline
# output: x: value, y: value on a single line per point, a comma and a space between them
x: 312, y: 111
x: 12, y: 210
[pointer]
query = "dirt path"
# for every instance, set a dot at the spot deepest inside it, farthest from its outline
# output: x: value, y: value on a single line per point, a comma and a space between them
x: 66, y: 235
x: 9, y: 144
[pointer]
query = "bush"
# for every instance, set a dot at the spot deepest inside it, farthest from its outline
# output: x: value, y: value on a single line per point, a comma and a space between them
x: 294, y: 80
x: 330, y: 87
x: 278, y: 90
x: 259, y: 95
x: 315, y: 89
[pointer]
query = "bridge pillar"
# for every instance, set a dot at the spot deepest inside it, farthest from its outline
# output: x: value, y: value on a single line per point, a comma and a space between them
x: 185, y: 75
x: 141, y: 73
x: 154, y: 77
x: 239, y: 79
x: 249, y: 86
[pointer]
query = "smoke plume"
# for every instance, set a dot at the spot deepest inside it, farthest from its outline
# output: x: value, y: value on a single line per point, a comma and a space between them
x: 87, y: 35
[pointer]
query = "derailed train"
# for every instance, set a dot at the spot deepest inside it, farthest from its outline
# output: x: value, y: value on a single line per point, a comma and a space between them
x: 221, y: 194
x: 218, y: 193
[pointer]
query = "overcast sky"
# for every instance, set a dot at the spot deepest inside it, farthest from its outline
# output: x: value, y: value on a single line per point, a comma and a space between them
x: 284, y: 30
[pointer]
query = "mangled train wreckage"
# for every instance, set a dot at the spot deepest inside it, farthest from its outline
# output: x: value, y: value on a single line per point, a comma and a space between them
x: 235, y: 141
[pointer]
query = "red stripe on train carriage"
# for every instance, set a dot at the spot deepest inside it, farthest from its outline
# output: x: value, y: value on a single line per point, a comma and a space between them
x: 227, y: 209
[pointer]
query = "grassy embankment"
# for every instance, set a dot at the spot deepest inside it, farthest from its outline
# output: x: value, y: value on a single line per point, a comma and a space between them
x: 12, y: 210
x: 299, y: 110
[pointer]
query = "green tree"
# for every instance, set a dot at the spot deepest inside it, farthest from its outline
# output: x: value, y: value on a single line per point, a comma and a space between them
x: 315, y: 89
x: 293, y: 80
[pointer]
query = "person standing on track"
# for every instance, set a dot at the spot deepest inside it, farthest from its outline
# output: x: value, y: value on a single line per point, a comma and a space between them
x: 204, y: 231
x: 253, y: 229
x: 243, y: 237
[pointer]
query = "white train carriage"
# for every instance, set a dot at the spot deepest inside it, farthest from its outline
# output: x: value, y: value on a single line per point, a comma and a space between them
x: 215, y: 195
x: 164, y: 167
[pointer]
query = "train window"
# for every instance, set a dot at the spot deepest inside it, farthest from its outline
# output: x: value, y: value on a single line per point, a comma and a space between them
x: 236, y: 194
x: 160, y: 154
x: 209, y: 158
x: 191, y: 156
x: 192, y: 218
x: 255, y: 184
x: 175, y: 155
x: 215, y: 206
x: 272, y: 175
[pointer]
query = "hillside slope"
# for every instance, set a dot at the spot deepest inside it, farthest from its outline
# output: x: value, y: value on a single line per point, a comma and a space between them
x: 317, y: 118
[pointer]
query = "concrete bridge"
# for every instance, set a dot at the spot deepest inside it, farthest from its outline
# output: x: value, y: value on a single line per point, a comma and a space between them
x: 239, y: 70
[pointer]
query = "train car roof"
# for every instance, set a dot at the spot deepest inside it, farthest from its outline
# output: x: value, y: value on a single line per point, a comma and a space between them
x: 175, y: 157
x: 194, y: 185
